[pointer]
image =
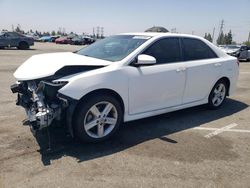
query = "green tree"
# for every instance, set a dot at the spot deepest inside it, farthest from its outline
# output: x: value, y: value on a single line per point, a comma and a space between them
x: 18, y: 29
x: 229, y: 38
x: 53, y: 33
x: 221, y: 39
x: 59, y: 32
x: 247, y: 43
x: 38, y: 33
x: 208, y: 37
x: 205, y: 37
x: 46, y: 34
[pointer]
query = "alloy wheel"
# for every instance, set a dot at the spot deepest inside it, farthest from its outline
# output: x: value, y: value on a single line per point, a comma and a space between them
x: 100, y: 119
x: 219, y: 94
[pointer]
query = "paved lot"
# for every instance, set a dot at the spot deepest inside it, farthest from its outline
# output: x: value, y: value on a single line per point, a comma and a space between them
x: 195, y: 147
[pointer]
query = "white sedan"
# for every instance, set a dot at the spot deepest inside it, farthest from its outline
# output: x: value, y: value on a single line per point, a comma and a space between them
x: 122, y: 78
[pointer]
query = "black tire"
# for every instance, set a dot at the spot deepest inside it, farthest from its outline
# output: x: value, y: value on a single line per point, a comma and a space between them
x: 81, y: 115
x: 211, y: 104
x: 23, y: 46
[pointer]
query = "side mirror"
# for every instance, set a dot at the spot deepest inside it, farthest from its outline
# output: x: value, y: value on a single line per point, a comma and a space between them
x: 145, y: 60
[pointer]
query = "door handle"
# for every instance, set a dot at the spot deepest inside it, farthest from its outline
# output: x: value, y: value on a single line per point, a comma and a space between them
x: 217, y: 64
x: 178, y: 70
x: 181, y: 69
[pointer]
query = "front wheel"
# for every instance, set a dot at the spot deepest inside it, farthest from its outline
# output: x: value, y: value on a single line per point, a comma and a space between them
x: 218, y: 95
x: 97, y: 118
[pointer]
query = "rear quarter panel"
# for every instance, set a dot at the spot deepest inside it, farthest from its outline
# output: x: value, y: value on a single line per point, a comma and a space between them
x: 231, y: 71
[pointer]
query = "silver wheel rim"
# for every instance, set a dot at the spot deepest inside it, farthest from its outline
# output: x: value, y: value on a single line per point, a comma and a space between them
x: 219, y: 94
x: 100, y: 119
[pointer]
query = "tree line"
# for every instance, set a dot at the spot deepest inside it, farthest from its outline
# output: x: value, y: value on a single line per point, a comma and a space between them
x: 223, y: 39
x: 42, y: 33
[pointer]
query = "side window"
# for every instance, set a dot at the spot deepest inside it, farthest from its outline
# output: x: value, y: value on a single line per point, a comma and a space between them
x: 165, y: 51
x: 13, y: 35
x: 6, y: 35
x: 194, y: 49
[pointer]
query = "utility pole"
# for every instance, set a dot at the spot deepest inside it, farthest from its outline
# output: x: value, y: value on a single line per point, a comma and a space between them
x: 93, y: 32
x: 102, y: 32
x: 213, y: 35
x: 98, y: 31
x: 248, y: 37
x: 222, y: 26
x: 221, y: 38
x: 192, y: 32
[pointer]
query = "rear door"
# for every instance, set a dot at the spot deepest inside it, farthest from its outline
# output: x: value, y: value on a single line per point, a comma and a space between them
x: 203, y: 68
x: 161, y: 85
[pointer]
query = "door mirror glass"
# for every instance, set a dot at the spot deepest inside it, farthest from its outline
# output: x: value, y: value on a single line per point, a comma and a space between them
x: 145, y: 60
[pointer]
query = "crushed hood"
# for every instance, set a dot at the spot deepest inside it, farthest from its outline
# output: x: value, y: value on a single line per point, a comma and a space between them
x: 44, y: 65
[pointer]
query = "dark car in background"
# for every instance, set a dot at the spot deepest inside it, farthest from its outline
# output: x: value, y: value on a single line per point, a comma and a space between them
x: 13, y: 39
x: 82, y: 40
x: 244, y: 53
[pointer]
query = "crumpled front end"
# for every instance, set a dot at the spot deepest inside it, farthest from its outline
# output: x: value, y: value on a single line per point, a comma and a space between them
x: 40, y: 101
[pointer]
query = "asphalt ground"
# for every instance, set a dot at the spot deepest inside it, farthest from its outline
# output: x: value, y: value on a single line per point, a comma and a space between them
x: 195, y: 147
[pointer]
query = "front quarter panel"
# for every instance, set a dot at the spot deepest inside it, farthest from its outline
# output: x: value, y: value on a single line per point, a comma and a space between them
x: 115, y: 79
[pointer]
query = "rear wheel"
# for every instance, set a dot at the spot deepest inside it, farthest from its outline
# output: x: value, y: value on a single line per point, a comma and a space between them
x: 97, y: 118
x: 218, y: 95
x: 23, y: 46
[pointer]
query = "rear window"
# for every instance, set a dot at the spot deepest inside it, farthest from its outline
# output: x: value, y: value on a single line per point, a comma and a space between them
x: 194, y: 49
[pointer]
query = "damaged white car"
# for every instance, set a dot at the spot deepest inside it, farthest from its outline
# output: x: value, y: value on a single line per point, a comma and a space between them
x: 122, y: 78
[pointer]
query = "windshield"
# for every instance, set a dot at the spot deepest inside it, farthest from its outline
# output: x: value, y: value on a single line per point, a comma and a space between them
x: 114, y: 48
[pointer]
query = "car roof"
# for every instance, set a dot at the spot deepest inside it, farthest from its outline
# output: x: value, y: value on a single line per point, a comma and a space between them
x: 158, y: 34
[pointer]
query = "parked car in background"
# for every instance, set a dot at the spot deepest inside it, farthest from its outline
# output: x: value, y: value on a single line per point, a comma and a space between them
x: 13, y: 39
x: 82, y: 40
x: 34, y: 36
x: 89, y: 40
x: 45, y: 39
x: 221, y: 47
x: 244, y: 53
x: 77, y: 41
x: 63, y: 40
x: 101, y: 86
x: 231, y: 49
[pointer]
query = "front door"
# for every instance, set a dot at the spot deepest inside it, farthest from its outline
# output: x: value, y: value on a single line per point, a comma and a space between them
x: 161, y: 85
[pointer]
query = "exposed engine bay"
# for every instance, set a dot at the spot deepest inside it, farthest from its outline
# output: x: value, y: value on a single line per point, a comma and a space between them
x: 39, y: 96
x: 40, y: 101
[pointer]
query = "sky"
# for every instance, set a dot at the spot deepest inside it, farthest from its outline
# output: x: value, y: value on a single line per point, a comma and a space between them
x: 118, y: 16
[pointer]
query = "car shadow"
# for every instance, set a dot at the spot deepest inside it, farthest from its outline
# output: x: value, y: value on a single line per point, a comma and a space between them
x: 132, y: 133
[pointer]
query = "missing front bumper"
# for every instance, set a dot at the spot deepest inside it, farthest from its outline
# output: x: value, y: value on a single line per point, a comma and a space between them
x: 41, y: 104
